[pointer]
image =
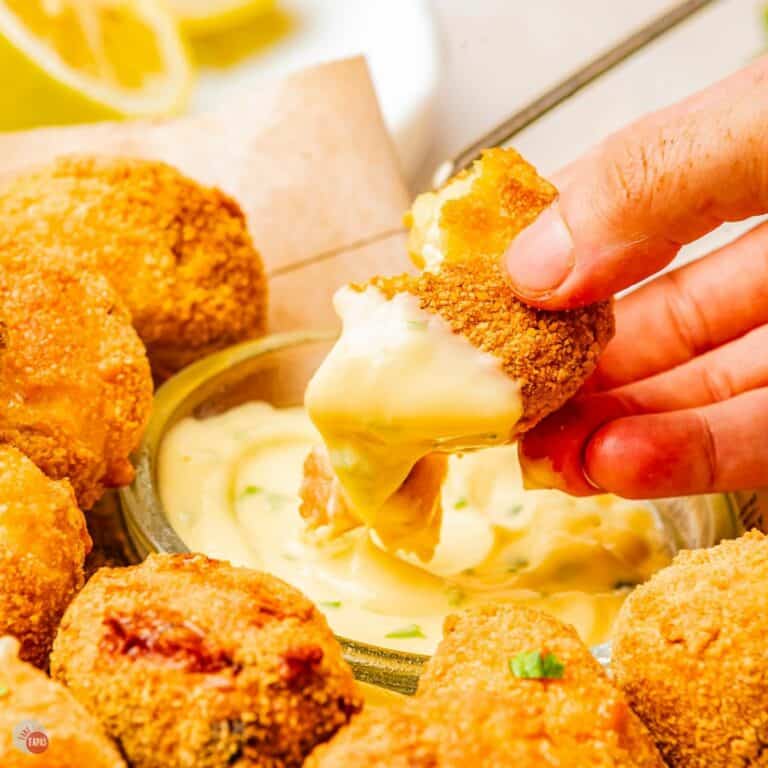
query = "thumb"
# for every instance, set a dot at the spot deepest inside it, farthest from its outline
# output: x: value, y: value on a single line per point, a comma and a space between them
x: 627, y: 207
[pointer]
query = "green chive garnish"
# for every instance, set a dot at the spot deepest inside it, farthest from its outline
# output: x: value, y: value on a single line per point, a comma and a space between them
x: 515, y: 510
x: 460, y: 503
x: 411, y: 630
x: 535, y: 665
x: 416, y: 325
x: 252, y: 490
x: 331, y: 603
x: 4, y: 691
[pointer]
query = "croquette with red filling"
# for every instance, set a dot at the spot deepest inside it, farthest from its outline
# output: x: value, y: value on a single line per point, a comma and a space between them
x: 193, y: 663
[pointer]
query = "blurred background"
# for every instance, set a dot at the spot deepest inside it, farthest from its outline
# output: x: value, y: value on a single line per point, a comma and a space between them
x: 446, y: 70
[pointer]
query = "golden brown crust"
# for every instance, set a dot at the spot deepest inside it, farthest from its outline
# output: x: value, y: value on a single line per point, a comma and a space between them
x: 551, y: 354
x: 179, y: 254
x: 192, y: 662
x: 471, y: 710
x: 43, y: 544
x: 75, y: 386
x: 75, y: 737
x: 583, y: 705
x: 506, y: 195
x: 689, y: 652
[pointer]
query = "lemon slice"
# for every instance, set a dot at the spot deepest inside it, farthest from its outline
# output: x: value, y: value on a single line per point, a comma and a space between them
x: 67, y: 61
x: 205, y: 17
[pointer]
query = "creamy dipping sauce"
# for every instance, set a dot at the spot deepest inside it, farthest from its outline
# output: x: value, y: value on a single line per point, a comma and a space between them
x: 458, y: 396
x: 229, y: 485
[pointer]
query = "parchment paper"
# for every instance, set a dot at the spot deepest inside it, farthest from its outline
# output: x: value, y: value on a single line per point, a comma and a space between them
x: 308, y: 158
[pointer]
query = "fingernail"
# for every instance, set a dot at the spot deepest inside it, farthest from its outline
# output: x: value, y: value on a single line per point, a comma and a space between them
x: 541, y: 257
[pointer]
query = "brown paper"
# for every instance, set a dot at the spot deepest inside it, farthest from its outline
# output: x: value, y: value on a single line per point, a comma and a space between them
x: 308, y: 158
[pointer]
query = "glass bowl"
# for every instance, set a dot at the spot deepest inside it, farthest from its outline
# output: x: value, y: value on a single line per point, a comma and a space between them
x: 276, y: 369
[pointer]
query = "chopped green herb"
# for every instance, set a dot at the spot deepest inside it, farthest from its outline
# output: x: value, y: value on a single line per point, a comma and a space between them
x: 331, y: 603
x: 417, y: 325
x: 624, y: 584
x: 4, y: 691
x: 514, y: 510
x: 411, y: 630
x: 456, y: 596
x: 275, y: 500
x: 535, y: 665
x: 517, y: 565
x: 461, y: 503
x: 288, y: 556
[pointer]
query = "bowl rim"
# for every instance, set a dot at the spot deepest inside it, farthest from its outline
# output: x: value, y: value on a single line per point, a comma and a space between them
x: 149, y: 530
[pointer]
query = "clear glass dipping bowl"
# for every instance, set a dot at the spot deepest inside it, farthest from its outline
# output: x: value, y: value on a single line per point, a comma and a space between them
x: 276, y: 369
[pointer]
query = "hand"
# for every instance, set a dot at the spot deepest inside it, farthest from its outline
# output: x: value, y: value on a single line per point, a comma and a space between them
x: 679, y: 403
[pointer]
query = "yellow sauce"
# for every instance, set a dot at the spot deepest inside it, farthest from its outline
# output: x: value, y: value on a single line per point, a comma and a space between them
x: 229, y: 485
x: 458, y: 397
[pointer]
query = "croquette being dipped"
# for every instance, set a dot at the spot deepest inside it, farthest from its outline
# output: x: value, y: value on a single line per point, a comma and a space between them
x: 690, y: 654
x: 179, y: 254
x: 75, y: 384
x: 41, y: 723
x: 43, y: 544
x: 448, y: 360
x: 507, y: 687
x: 192, y: 663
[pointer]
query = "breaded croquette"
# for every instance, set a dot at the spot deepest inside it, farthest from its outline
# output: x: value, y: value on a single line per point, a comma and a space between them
x: 545, y: 674
x: 179, y: 254
x: 193, y: 663
x: 75, y: 384
x: 478, y: 212
x: 472, y: 729
x: 690, y: 653
x: 549, y: 354
x: 448, y: 360
x: 409, y: 520
x: 508, y: 687
x: 43, y: 544
x: 41, y: 723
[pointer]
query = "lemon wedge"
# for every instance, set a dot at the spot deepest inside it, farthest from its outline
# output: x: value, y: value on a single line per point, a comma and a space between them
x: 68, y: 61
x: 205, y: 17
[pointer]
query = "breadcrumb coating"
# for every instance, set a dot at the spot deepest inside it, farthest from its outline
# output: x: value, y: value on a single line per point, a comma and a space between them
x: 75, y: 384
x: 690, y: 653
x: 409, y: 520
x: 479, y: 211
x: 75, y: 738
x: 474, y: 728
x: 178, y: 253
x: 471, y: 710
x: 551, y: 354
x: 477, y: 648
x: 43, y: 544
x: 193, y: 663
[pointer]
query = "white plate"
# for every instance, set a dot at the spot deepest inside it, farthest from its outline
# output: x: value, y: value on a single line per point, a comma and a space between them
x: 397, y: 37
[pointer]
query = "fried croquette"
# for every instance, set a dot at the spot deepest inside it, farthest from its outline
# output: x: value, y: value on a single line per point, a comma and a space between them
x: 473, y: 728
x: 449, y: 360
x: 409, y: 520
x: 478, y: 212
x: 43, y: 544
x: 41, y: 723
x: 179, y: 254
x: 75, y: 384
x: 193, y: 663
x: 550, y: 354
x: 690, y: 654
x: 572, y: 701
